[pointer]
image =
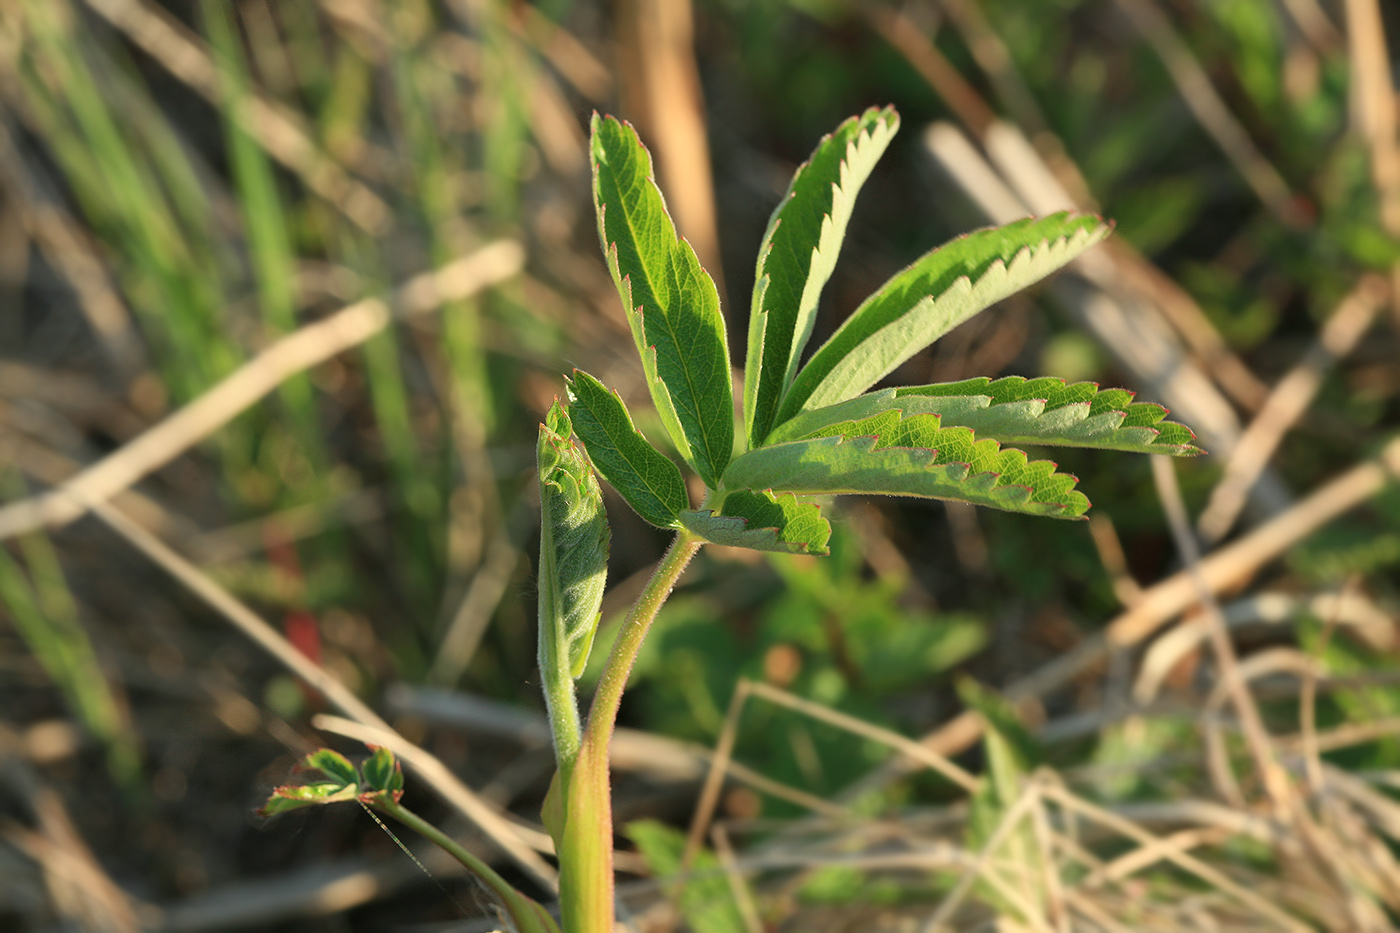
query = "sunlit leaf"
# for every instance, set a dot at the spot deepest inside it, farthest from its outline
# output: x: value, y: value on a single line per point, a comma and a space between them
x: 797, y: 256
x: 641, y: 474
x: 931, y: 297
x: 764, y: 522
x: 914, y: 456
x: 671, y: 301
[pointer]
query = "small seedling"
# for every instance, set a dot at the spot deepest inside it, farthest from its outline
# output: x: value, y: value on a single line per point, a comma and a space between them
x: 809, y: 430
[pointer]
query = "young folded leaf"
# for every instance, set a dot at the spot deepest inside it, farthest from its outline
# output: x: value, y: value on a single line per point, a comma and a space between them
x: 574, y: 541
x: 797, y: 255
x: 763, y: 522
x: 931, y: 297
x: 671, y: 302
x: 641, y: 474
x: 913, y: 456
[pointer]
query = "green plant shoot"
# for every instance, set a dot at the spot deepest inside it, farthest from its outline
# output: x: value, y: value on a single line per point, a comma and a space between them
x: 809, y: 430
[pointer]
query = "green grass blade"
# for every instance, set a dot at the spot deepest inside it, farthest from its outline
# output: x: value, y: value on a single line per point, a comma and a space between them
x: 913, y: 456
x: 40, y: 606
x: 671, y: 302
x: 641, y: 474
x: 264, y: 221
x: 764, y: 522
x: 797, y: 256
x: 931, y: 297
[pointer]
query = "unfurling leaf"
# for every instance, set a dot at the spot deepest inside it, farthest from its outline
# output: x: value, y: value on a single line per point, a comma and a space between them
x: 931, y: 297
x: 641, y: 474
x: 914, y: 456
x: 760, y: 520
x: 296, y: 796
x: 332, y: 764
x: 342, y: 783
x: 798, y: 254
x: 671, y: 301
x: 574, y: 541
x: 383, y: 775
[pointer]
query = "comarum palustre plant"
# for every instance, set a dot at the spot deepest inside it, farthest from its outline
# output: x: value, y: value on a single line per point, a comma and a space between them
x: 809, y: 430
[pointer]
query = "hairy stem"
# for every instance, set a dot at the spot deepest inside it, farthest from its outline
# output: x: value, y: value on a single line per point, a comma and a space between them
x: 528, y: 915
x: 585, y: 857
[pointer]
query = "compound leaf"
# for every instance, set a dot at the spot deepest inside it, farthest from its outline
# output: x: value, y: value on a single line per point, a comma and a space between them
x: 798, y: 254
x: 671, y: 301
x: 760, y: 520
x: 641, y: 474
x: 893, y: 455
x: 574, y: 539
x: 931, y: 297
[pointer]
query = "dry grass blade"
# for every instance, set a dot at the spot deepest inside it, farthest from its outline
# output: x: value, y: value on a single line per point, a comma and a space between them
x: 926, y: 756
x: 1232, y: 681
x: 1210, y: 111
x: 1286, y: 403
x: 254, y: 380
x: 1176, y: 856
x: 266, y: 637
x: 1373, y: 103
x: 980, y: 869
x: 1227, y: 567
x: 65, y: 246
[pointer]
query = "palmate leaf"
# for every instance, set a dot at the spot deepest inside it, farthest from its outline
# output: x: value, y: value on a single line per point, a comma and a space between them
x: 798, y: 254
x: 1016, y: 410
x: 574, y: 541
x: 671, y: 302
x: 641, y: 474
x: 914, y: 456
x: 760, y: 520
x: 931, y: 297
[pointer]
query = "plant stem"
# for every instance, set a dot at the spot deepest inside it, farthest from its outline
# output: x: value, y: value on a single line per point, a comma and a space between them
x: 528, y: 915
x: 602, y: 715
x: 586, y: 850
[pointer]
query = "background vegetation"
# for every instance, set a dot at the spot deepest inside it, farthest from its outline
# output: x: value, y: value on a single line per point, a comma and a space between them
x: 183, y: 185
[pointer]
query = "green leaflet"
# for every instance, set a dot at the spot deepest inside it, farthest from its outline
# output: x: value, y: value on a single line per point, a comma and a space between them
x: 759, y: 520
x: 641, y: 474
x: 797, y: 255
x: 342, y: 783
x: 931, y: 297
x: 913, y: 456
x: 671, y: 302
x: 1016, y: 410
x: 814, y: 423
x: 1051, y: 411
x: 574, y: 540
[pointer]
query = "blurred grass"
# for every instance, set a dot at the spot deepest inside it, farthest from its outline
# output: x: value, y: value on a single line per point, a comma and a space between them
x: 369, y: 492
